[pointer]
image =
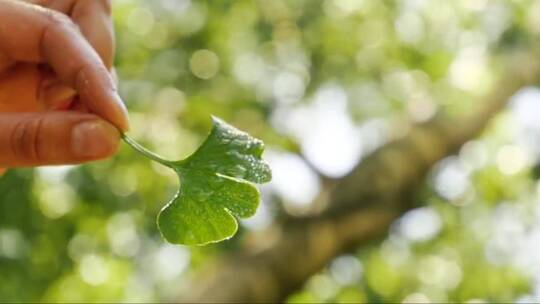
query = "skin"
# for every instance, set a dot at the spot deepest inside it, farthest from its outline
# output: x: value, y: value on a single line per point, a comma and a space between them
x: 58, y: 100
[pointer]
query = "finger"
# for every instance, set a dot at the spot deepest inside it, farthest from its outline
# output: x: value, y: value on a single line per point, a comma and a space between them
x: 5, y: 62
x: 33, y: 88
x: 20, y: 82
x: 63, y: 6
x: 94, y: 20
x: 53, y: 93
x: 38, y: 2
x: 51, y: 138
x: 114, y: 76
x: 34, y: 34
x: 58, y: 97
x: 78, y: 106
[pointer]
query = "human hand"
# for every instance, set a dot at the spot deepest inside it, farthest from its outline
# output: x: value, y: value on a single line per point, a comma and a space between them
x: 56, y: 55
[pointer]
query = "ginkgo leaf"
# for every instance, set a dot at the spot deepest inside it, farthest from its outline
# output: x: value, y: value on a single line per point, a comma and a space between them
x: 217, y: 183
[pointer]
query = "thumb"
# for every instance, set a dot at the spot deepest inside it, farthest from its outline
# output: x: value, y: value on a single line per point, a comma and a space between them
x: 52, y: 138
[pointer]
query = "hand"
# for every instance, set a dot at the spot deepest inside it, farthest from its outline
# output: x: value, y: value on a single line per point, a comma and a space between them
x: 55, y: 55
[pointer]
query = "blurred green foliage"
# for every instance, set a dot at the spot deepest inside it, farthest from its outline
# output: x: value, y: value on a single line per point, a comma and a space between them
x: 280, y: 70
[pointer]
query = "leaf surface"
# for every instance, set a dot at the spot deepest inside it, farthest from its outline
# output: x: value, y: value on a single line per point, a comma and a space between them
x: 217, y: 183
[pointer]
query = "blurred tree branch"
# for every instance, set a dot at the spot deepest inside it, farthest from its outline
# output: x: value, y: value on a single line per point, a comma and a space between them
x: 362, y: 205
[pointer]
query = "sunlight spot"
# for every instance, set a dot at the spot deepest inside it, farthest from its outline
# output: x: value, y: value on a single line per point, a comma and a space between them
x: 248, y: 68
x: 192, y: 19
x: 12, y: 243
x: 469, y: 70
x: 434, y: 270
x: 138, y: 290
x: 374, y: 133
x: 414, y: 5
x: 293, y: 179
x: 158, y: 37
x: 525, y: 104
x: 123, y: 180
x: 343, y: 7
x: 122, y: 235
x: 140, y: 21
x: 329, y: 138
x: 451, y: 179
x: 396, y: 249
x: 288, y: 88
x: 507, y: 234
x: 496, y: 19
x: 420, y: 224
x: 526, y: 299
x: 93, y: 270
x: 525, y: 107
x: 177, y: 6
x: 346, y: 269
x: 54, y: 174
x: 410, y: 27
x: 55, y: 199
x: 526, y: 258
x: 416, y: 298
x: 474, y: 155
x: 474, y: 5
x: 511, y: 159
x: 262, y: 218
x: 169, y: 101
x: 476, y: 301
x: 204, y: 64
x: 322, y: 287
x: 533, y: 17
x: 170, y: 261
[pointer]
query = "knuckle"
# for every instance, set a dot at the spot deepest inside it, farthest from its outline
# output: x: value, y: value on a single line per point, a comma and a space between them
x: 25, y: 139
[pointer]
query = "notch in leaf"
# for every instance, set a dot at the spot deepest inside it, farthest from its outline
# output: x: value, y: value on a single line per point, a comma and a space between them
x: 217, y: 182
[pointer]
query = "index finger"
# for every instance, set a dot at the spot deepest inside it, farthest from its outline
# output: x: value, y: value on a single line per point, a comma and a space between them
x: 34, y: 34
x: 94, y: 20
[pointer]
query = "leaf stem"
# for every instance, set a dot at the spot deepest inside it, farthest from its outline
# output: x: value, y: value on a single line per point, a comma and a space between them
x: 142, y: 150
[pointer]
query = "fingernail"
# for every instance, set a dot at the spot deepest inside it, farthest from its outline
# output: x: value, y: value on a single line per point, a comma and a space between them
x: 122, y: 113
x: 94, y: 139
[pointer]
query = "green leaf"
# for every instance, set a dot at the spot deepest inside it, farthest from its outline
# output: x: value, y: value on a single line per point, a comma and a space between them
x: 217, y: 184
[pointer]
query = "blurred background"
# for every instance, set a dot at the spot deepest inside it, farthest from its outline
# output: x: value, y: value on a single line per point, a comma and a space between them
x: 324, y: 83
